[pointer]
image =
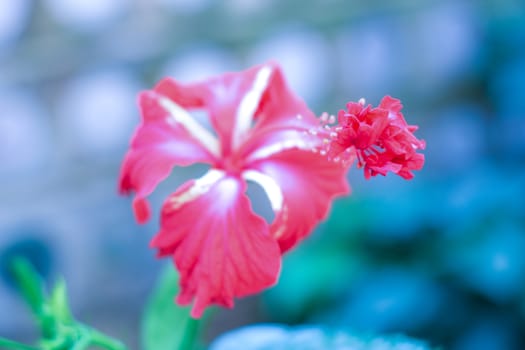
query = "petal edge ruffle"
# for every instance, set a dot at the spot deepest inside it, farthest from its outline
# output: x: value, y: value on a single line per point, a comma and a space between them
x: 221, y: 248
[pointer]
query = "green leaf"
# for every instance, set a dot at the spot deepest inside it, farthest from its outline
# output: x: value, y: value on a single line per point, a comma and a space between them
x: 165, y: 325
x: 311, y: 277
x: 58, y: 302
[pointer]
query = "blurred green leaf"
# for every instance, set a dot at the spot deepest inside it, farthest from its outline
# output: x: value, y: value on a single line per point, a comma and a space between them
x: 58, y: 302
x: 165, y: 325
x: 311, y: 277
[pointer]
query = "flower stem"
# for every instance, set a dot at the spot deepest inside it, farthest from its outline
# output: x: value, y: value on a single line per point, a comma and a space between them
x: 106, y: 342
x: 13, y: 345
x: 190, y: 334
x: 57, y: 326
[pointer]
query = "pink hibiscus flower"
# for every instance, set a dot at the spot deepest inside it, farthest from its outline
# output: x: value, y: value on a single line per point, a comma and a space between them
x: 379, y: 138
x: 221, y: 248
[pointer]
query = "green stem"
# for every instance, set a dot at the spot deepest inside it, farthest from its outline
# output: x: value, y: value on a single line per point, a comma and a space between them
x: 102, y: 340
x: 190, y: 334
x: 81, y: 344
x: 56, y: 323
x: 9, y: 344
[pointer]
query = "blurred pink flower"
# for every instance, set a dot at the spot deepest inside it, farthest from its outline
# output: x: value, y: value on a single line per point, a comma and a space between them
x: 221, y: 248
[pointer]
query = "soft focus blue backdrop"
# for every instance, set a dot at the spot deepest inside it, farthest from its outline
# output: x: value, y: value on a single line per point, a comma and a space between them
x: 440, y: 257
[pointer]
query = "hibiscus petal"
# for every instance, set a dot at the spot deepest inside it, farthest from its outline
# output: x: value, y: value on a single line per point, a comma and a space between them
x: 221, y: 248
x: 162, y: 141
x: 281, y: 108
x: 231, y: 100
x: 308, y: 182
x: 283, y: 121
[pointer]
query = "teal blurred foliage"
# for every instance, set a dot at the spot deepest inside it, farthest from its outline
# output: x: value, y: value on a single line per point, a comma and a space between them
x: 440, y: 258
x: 437, y: 258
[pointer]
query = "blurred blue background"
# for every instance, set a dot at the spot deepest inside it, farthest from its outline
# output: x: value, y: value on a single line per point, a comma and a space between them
x: 439, y: 258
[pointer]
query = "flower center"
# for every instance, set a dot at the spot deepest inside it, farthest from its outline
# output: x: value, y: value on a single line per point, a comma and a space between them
x: 231, y: 164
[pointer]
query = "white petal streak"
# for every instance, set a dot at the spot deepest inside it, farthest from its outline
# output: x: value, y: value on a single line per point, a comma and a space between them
x: 277, y: 147
x: 180, y: 115
x: 269, y: 185
x: 249, y: 104
x: 199, y: 187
